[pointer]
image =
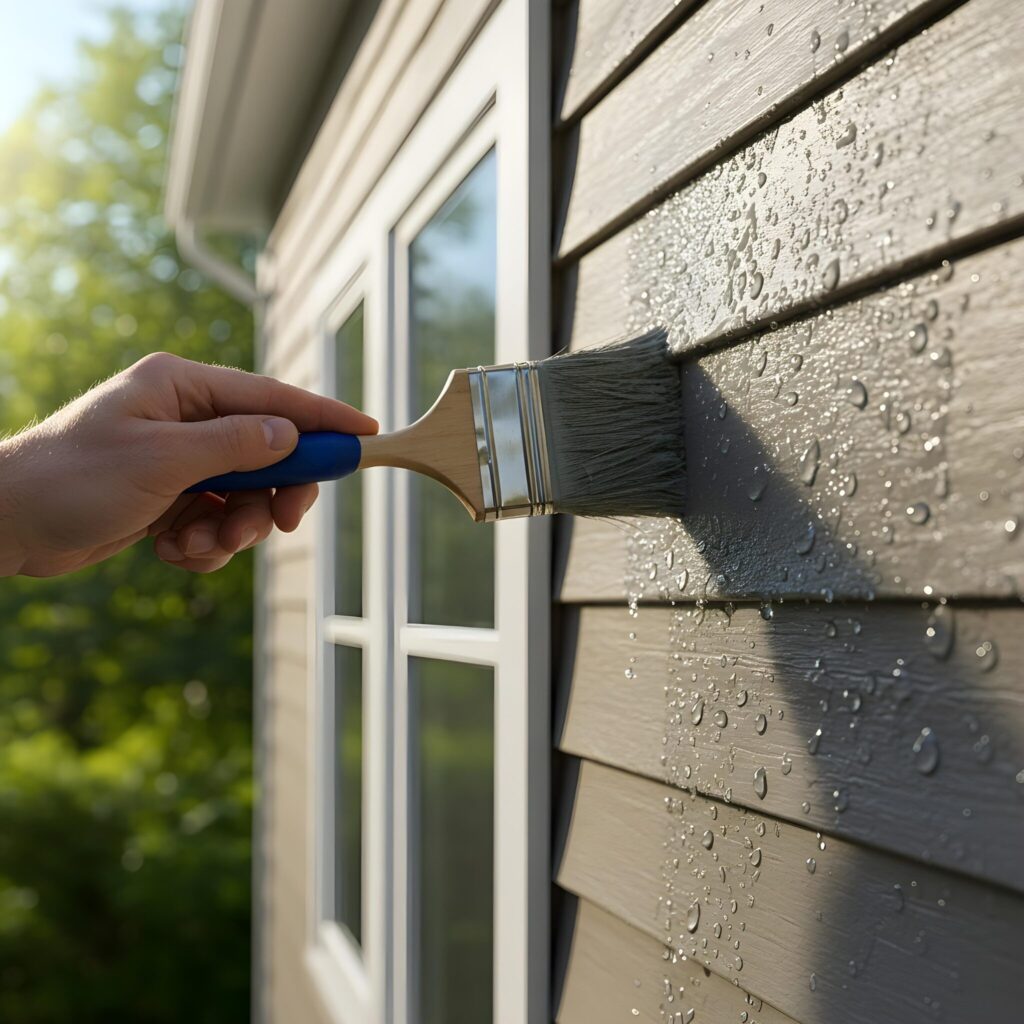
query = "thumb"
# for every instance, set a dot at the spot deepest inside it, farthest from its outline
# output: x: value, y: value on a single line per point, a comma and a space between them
x: 228, y: 443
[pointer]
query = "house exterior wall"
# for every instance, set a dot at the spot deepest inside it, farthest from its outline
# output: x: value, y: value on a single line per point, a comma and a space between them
x: 409, y: 50
x: 789, y: 728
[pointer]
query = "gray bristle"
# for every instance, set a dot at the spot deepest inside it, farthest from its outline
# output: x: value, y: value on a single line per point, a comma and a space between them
x: 615, y: 431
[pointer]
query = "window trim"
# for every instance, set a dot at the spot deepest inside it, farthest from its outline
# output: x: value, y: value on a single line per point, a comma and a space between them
x: 501, y: 83
x: 341, y: 968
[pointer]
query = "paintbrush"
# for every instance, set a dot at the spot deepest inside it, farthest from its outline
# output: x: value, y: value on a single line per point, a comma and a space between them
x: 595, y: 433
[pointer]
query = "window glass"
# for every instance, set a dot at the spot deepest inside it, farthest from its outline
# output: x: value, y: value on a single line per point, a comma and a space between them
x: 348, y: 790
x: 348, y: 514
x: 453, y: 839
x: 452, y: 271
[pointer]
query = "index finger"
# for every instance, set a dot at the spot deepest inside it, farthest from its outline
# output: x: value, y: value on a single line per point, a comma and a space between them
x: 223, y: 391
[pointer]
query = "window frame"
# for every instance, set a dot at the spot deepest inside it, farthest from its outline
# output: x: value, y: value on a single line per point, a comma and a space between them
x: 496, y: 96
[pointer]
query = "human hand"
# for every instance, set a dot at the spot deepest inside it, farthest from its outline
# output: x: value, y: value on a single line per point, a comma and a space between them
x: 110, y: 468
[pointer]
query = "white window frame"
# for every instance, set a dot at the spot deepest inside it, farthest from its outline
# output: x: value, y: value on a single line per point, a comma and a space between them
x: 495, y: 97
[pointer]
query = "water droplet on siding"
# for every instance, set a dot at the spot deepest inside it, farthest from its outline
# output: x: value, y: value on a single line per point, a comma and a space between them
x: 918, y: 513
x: 814, y: 742
x: 830, y: 276
x: 939, y: 632
x: 857, y: 394
x: 815, y: 41
x: 787, y: 764
x: 791, y: 398
x: 720, y: 718
x: 843, y: 41
x: 758, y: 360
x: 809, y: 463
x: 988, y: 655
x: 697, y: 712
x: 812, y: 865
x: 760, y: 724
x: 630, y: 674
x: 926, y: 752
x: 741, y: 698
x: 918, y: 338
x: 804, y: 545
x: 760, y: 783
x: 756, y: 488
x: 755, y: 857
x: 813, y: 982
x: 840, y: 800
x: 693, y: 917
x: 708, y: 839
x: 767, y: 612
x: 849, y: 134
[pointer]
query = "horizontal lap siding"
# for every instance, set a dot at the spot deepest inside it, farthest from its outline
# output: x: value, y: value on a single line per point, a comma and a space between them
x: 919, y: 154
x: 618, y: 973
x: 865, y: 456
x: 743, y: 64
x: 866, y: 937
x: 875, y: 448
x: 857, y: 684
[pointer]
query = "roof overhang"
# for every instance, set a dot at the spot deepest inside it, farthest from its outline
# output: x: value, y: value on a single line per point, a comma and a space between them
x: 253, y: 70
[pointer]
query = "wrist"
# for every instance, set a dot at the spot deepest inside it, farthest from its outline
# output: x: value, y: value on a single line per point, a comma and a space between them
x: 14, y: 548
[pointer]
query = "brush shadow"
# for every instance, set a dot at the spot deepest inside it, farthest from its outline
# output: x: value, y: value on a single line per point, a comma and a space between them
x: 752, y: 529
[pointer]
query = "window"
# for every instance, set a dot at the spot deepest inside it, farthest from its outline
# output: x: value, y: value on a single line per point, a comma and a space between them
x: 431, y: 792
x: 452, y: 281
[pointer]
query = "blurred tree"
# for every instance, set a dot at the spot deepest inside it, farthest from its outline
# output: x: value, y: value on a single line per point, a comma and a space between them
x: 125, y: 764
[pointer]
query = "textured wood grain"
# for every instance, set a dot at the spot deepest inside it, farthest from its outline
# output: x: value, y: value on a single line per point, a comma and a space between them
x: 605, y: 38
x: 730, y: 70
x: 918, y: 154
x: 858, y: 685
x: 616, y: 973
x: 873, y: 449
x: 866, y: 937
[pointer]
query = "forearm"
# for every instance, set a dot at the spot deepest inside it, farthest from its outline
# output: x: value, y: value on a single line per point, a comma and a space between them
x: 13, y: 552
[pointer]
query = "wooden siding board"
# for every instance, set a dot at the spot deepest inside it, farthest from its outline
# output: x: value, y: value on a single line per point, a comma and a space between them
x: 867, y: 937
x: 918, y: 156
x: 811, y: 668
x: 907, y: 401
x: 604, y: 39
x: 616, y: 973
x: 732, y: 69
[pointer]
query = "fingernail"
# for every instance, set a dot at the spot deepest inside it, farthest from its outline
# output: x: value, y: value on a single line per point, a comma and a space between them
x: 167, y: 549
x: 280, y: 433
x: 248, y: 537
x: 200, y: 543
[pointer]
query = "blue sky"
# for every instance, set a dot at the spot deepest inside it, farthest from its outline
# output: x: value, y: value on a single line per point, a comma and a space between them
x: 38, y: 44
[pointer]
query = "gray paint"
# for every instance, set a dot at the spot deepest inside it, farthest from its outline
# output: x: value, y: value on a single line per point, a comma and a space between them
x: 867, y: 937
x: 900, y: 400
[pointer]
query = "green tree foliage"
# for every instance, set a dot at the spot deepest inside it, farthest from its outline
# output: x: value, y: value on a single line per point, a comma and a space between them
x: 125, y: 764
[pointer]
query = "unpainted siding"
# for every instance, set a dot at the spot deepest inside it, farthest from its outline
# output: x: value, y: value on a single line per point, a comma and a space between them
x: 792, y: 723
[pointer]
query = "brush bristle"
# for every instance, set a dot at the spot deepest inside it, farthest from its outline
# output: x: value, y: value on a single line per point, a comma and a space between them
x: 615, y: 431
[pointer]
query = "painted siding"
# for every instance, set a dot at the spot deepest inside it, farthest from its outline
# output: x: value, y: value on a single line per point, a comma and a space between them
x: 788, y: 731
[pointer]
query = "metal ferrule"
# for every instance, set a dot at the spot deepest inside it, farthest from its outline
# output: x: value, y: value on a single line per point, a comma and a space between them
x: 511, y: 443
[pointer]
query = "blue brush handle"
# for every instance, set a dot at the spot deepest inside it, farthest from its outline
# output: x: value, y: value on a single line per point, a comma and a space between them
x: 318, y: 456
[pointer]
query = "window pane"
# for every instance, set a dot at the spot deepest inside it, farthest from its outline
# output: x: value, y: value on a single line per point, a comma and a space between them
x: 348, y: 516
x: 348, y: 789
x: 453, y: 839
x: 452, y: 284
